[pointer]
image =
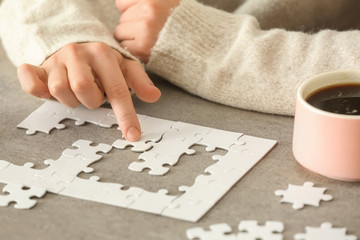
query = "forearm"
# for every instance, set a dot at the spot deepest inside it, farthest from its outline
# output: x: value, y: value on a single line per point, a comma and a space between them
x: 228, y: 59
x: 32, y: 30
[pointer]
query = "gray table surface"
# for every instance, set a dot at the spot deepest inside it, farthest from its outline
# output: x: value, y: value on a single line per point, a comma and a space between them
x: 60, y: 217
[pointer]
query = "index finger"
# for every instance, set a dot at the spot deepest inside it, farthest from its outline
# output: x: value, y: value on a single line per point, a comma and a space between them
x: 117, y: 91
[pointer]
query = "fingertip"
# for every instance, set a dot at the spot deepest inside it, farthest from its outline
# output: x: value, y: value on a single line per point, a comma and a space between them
x: 132, y: 134
x: 153, y: 96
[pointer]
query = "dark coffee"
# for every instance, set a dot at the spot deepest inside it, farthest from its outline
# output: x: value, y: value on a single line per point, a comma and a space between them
x: 341, y: 99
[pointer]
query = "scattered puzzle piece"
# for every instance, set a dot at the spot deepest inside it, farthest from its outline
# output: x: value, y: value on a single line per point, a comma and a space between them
x: 220, y: 231
x: 326, y: 232
x: 250, y: 230
x: 300, y: 196
x: 21, y: 195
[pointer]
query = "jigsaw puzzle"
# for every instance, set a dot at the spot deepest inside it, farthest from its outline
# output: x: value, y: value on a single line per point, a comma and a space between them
x: 162, y: 144
x: 325, y: 231
x: 300, y: 196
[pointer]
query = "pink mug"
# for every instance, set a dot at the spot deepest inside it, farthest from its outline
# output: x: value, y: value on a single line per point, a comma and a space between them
x: 325, y: 142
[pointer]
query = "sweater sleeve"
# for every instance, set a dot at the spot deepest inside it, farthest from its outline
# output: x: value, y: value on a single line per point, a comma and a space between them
x: 228, y: 58
x: 32, y: 30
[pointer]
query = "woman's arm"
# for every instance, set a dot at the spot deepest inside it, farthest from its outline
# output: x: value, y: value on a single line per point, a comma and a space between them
x: 228, y: 58
x: 32, y: 30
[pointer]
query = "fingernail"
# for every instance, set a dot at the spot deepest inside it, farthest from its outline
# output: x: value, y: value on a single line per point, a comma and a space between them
x: 133, y: 134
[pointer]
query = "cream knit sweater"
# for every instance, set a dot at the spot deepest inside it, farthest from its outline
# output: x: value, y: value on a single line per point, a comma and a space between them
x: 253, y: 56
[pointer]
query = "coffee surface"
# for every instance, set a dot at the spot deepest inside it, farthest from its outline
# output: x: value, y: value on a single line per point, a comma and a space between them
x: 341, y: 99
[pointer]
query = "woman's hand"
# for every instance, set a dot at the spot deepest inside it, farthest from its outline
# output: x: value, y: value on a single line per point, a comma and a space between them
x: 80, y: 73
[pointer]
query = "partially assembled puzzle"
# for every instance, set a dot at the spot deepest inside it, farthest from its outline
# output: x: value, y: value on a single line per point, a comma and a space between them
x: 161, y: 145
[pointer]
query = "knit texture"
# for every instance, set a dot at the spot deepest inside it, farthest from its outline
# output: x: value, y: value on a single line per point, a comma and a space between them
x: 228, y: 58
x: 32, y: 30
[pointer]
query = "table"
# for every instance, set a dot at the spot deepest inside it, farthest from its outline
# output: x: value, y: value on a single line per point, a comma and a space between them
x: 252, y: 198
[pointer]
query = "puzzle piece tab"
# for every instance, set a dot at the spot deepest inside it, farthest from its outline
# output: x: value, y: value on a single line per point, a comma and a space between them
x: 220, y: 231
x: 325, y: 231
x: 300, y: 196
x: 250, y: 230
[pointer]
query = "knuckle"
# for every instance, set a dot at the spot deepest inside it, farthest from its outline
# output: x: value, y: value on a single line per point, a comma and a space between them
x: 80, y: 85
x: 99, y: 47
x: 57, y: 86
x: 102, y: 51
x: 71, y: 48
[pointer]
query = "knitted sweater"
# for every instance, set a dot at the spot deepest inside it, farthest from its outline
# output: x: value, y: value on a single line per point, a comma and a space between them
x: 251, y: 54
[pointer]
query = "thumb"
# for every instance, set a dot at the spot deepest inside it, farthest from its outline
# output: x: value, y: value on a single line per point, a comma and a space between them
x: 33, y: 80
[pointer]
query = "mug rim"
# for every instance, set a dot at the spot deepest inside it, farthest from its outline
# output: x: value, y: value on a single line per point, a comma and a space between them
x: 320, y: 77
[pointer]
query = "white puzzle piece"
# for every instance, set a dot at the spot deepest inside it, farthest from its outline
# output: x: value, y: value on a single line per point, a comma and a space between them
x: 250, y: 230
x: 152, y: 130
x: 300, y: 196
x: 326, y: 232
x: 216, y: 138
x: 41, y: 122
x: 87, y: 151
x: 49, y: 115
x: 152, y: 202
x: 21, y: 196
x: 245, y: 153
x: 165, y: 152
x: 220, y: 231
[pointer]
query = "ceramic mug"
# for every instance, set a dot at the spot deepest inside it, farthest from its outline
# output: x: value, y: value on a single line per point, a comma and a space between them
x: 324, y: 142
